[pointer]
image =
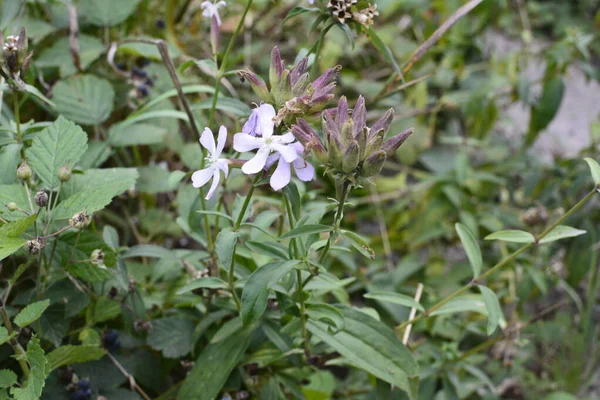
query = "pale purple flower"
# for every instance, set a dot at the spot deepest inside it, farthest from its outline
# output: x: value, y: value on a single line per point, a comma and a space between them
x: 282, y: 175
x: 266, y: 144
x: 311, y: 1
x: 260, y: 120
x: 212, y: 9
x: 215, y: 164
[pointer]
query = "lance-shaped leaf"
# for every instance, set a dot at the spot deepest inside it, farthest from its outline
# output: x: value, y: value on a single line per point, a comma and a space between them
x: 471, y: 246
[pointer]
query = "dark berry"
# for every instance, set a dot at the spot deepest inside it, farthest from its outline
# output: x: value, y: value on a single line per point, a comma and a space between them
x: 81, y: 394
x: 111, y: 340
x: 143, y: 91
x: 121, y: 66
x: 83, y: 384
x: 160, y: 23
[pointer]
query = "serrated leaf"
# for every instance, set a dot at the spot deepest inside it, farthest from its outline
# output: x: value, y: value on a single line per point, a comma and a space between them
x: 9, y: 245
x: 326, y: 313
x: 372, y: 346
x: 107, y: 12
x: 173, y: 336
x: 512, y: 235
x: 304, y: 230
x: 594, y: 169
x: 59, y: 144
x: 471, y: 247
x: 85, y: 99
x: 4, y: 336
x: 69, y: 354
x: 225, y: 246
x: 359, y: 244
x: 39, y: 369
x: 10, y: 156
x: 204, y: 383
x: 16, y: 228
x: 135, y: 135
x: 59, y: 54
x: 203, y: 283
x: 561, y: 232
x: 7, y: 378
x: 31, y: 313
x: 106, y: 309
x: 395, y: 298
x: 256, y: 290
x: 493, y: 307
x: 93, y: 178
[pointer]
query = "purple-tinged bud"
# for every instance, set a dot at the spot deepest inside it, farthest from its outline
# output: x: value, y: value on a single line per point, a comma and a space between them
x: 342, y: 111
x: 258, y: 85
x: 383, y: 123
x: 324, y: 91
x: 351, y: 158
x: 330, y: 128
x: 298, y: 71
x: 335, y: 151
x: 327, y: 78
x: 374, y: 142
x: 391, y: 145
x: 215, y: 34
x: 22, y: 46
x: 300, y: 85
x: 318, y: 103
x: 361, y: 138
x: 359, y: 115
x: 276, y: 69
x: 373, y: 164
x: 309, y: 139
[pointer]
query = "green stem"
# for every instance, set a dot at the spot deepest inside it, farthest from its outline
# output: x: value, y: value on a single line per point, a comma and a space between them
x: 240, y: 217
x: 499, y: 265
x: 223, y: 67
x: 337, y: 219
x: 17, y: 115
x: 315, y: 66
x: 231, y: 280
x: 17, y: 348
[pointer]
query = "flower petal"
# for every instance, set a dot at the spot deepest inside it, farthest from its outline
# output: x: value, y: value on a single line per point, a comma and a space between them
x: 281, y: 176
x: 223, y: 165
x: 250, y: 126
x: 304, y: 170
x: 208, y: 141
x: 272, y: 159
x: 199, y: 178
x: 284, y: 139
x: 221, y: 140
x: 288, y: 153
x: 265, y: 126
x: 215, y: 183
x: 256, y: 163
x: 243, y: 142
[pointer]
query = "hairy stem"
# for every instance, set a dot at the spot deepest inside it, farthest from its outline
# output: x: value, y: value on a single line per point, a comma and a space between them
x: 499, y: 265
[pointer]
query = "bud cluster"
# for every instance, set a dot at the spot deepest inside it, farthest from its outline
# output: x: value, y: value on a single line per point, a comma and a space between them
x: 352, y: 150
x: 345, y: 11
x: 14, y: 59
x: 291, y: 90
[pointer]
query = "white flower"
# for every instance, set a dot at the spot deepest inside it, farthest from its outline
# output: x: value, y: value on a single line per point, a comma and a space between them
x: 282, y: 175
x: 215, y: 164
x: 266, y: 144
x: 260, y: 119
x: 212, y: 9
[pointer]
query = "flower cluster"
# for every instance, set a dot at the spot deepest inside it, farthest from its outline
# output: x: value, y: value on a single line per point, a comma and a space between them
x: 291, y: 90
x: 14, y: 59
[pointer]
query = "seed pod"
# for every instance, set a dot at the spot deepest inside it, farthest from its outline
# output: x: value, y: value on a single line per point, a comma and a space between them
x: 65, y: 173
x: 24, y: 171
x: 34, y: 246
x: 351, y: 158
x: 41, y: 199
x: 373, y: 164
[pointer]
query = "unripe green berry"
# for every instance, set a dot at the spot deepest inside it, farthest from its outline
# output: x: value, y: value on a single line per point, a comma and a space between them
x: 64, y: 173
x: 24, y: 171
x: 12, y: 206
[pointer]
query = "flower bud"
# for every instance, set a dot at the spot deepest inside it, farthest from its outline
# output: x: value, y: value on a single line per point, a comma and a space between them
x: 276, y: 68
x: 351, y: 158
x: 258, y: 85
x: 41, y: 199
x: 97, y: 257
x: 391, y: 145
x: 373, y: 164
x: 215, y: 34
x: 347, y: 133
x: 12, y: 206
x: 374, y: 142
x: 34, y: 246
x: 22, y: 46
x: 383, y: 123
x: 326, y: 78
x: 24, y: 171
x: 361, y: 138
x: 299, y: 87
x: 80, y: 220
x: 65, y: 173
x: 334, y: 148
x: 359, y: 116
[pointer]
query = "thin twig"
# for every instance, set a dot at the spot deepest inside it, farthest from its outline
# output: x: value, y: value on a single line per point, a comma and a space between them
x: 413, y: 312
x: 132, y: 383
x: 74, y: 36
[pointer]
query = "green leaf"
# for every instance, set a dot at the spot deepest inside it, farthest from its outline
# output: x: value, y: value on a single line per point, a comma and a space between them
x: 69, y: 354
x: 59, y: 55
x: 561, y: 232
x: 60, y: 144
x: 31, y: 313
x: 174, y: 337
x: 471, y: 246
x: 39, y: 369
x: 372, y: 346
x: 359, y: 244
x: 326, y: 313
x: 107, y: 12
x: 294, y: 12
x: 472, y: 303
x: 225, y: 246
x: 493, y: 307
x: 106, y: 309
x: 546, y: 108
x: 512, y: 235
x: 10, y: 157
x: 16, y: 228
x: 396, y: 298
x: 225, y: 104
x: 135, y: 135
x: 293, y: 195
x: 85, y: 99
x: 7, y: 378
x: 267, y: 248
x: 594, y: 169
x: 216, y: 213
x: 256, y: 290
x: 203, y: 283
x: 9, y: 245
x: 4, y: 336
x: 306, y: 230
x: 204, y: 383
x: 384, y: 50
